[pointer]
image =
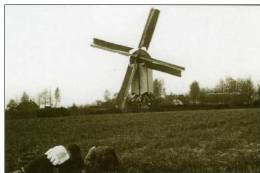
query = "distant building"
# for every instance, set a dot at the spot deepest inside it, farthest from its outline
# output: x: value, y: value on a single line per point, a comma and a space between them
x: 177, y: 102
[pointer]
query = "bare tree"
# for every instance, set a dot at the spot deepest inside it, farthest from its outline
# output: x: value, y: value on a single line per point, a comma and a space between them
x: 107, y: 95
x: 25, y: 97
x: 50, y: 98
x: 45, y: 97
x: 194, y: 91
x: 39, y: 99
x: 158, y: 88
x: 231, y: 85
x: 221, y: 86
x: 247, y: 90
x: 57, y: 96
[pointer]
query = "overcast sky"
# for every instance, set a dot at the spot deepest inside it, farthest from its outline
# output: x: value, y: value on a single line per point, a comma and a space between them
x: 48, y: 46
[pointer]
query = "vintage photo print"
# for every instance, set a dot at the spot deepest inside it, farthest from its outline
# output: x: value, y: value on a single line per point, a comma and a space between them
x: 130, y: 88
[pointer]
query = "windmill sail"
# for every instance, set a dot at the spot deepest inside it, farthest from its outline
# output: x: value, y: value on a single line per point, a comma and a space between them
x: 162, y: 66
x: 122, y: 95
x: 101, y: 44
x: 149, y: 28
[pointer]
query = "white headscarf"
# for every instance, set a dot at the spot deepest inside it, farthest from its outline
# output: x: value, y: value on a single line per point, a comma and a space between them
x: 57, y: 155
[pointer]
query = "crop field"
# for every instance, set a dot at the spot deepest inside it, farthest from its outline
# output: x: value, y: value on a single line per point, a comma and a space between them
x: 182, y: 141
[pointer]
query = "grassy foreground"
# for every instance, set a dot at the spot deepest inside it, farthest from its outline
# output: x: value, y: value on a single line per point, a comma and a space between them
x: 186, y: 141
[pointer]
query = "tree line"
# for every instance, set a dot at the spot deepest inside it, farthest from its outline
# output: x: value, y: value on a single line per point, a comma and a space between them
x: 28, y: 106
x: 226, y: 93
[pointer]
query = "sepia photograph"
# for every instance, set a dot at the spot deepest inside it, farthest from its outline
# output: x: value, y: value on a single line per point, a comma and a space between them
x: 127, y: 88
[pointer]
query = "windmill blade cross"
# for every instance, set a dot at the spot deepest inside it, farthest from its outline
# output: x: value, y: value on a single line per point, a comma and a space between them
x: 162, y: 66
x: 122, y: 95
x: 117, y: 48
x: 149, y: 28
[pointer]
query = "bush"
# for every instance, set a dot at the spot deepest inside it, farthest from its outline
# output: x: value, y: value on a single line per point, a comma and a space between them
x: 26, y: 109
x: 100, y: 110
x: 257, y: 103
x: 53, y: 112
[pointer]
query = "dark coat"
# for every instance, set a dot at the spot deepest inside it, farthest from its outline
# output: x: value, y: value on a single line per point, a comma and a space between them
x: 42, y: 164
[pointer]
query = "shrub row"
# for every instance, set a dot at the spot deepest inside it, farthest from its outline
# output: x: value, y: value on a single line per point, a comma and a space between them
x: 46, y: 112
x: 61, y: 112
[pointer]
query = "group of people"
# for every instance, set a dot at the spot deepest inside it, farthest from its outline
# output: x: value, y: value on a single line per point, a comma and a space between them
x: 61, y: 159
x: 137, y: 102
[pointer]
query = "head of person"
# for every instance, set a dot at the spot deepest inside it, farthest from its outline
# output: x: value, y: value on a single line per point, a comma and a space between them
x: 101, y: 158
x: 75, y: 162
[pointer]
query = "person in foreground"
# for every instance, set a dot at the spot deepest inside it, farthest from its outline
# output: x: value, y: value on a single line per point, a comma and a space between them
x: 57, y: 160
x: 101, y: 159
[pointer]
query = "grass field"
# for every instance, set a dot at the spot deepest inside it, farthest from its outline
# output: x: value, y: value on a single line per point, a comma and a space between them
x: 184, y: 141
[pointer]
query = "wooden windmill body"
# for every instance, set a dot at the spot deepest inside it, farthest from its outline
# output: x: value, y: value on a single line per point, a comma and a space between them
x: 139, y: 74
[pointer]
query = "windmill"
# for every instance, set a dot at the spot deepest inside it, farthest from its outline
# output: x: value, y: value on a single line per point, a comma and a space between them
x: 139, y: 71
